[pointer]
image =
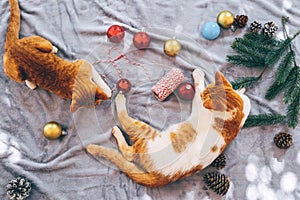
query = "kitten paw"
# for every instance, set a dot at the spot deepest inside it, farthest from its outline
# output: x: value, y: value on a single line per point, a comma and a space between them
x: 116, y: 131
x: 94, y: 150
x: 242, y: 90
x: 198, y: 76
x: 120, y: 102
x: 30, y: 85
x: 54, y: 49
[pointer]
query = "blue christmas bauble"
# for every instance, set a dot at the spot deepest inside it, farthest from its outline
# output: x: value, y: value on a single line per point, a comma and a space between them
x: 210, y: 30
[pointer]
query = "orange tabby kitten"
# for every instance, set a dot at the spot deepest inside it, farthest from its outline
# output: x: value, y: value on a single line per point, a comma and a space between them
x: 33, y: 60
x: 158, y: 158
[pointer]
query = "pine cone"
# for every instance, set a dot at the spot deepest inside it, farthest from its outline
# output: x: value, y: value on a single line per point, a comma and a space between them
x: 270, y: 28
x: 240, y: 21
x: 283, y: 140
x: 255, y: 27
x: 217, y: 182
x: 219, y: 162
x: 18, y: 189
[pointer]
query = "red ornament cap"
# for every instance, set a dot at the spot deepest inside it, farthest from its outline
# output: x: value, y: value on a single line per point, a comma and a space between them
x: 115, y: 33
x: 141, y: 40
x: 186, y: 91
x: 124, y: 85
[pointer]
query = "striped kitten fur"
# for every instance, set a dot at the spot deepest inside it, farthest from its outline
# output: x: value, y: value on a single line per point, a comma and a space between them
x: 33, y: 60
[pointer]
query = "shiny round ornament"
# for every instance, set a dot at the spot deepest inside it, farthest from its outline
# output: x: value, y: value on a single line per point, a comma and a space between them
x: 210, y: 30
x: 225, y: 19
x: 141, y: 40
x: 124, y: 85
x: 172, y: 47
x: 115, y: 33
x: 53, y: 130
x: 186, y: 91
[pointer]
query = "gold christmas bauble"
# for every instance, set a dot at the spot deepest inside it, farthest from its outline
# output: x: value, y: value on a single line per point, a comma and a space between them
x: 52, y: 130
x: 172, y: 47
x: 225, y: 19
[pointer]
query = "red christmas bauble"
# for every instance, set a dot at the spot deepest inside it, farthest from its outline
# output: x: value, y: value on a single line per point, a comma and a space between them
x: 141, y: 40
x: 115, y: 33
x: 124, y: 85
x: 186, y: 91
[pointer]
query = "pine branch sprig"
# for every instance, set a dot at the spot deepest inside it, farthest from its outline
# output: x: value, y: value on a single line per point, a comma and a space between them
x: 259, y: 50
x: 276, y: 88
x: 263, y: 120
x: 245, y: 82
x: 254, y: 45
x: 253, y: 50
x: 247, y: 61
x: 284, y: 68
x: 294, y: 86
x: 277, y: 52
x: 293, y: 112
x: 247, y: 48
x: 261, y: 39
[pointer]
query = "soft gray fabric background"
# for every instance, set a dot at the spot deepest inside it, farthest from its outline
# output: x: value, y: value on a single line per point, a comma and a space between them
x: 61, y: 169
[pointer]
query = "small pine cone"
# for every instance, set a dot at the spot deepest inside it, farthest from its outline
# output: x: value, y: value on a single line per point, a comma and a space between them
x: 270, y: 29
x: 283, y: 140
x: 217, y: 182
x: 18, y: 189
x: 219, y: 162
x: 255, y: 27
x: 240, y: 21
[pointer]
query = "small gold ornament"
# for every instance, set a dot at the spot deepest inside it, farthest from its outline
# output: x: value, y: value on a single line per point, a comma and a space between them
x: 172, y: 47
x: 53, y: 130
x: 225, y: 19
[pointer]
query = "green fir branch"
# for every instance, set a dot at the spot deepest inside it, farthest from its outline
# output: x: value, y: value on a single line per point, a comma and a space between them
x: 244, y: 82
x: 277, y: 52
x: 259, y: 47
x: 250, y: 48
x: 294, y: 86
x: 253, y: 49
x: 284, y: 68
x: 263, y: 120
x: 247, y: 61
x: 293, y: 113
x: 276, y: 88
x: 259, y: 50
x: 261, y: 39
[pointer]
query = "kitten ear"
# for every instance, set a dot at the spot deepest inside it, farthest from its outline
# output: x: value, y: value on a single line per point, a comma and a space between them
x: 221, y: 80
x: 74, y: 106
x: 100, y: 95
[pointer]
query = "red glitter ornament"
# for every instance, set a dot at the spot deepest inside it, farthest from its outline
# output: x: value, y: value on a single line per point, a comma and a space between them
x: 141, y: 40
x: 186, y: 91
x: 115, y: 33
x: 124, y: 85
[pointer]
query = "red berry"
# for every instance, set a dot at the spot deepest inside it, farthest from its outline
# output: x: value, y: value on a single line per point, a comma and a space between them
x: 186, y: 91
x: 124, y: 85
x: 141, y: 40
x: 115, y: 33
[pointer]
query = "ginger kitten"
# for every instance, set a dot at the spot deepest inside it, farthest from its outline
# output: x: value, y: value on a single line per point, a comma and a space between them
x: 158, y: 158
x: 33, y: 60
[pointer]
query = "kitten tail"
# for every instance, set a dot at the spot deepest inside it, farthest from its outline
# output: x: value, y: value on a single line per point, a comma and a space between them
x: 129, y: 168
x: 12, y: 34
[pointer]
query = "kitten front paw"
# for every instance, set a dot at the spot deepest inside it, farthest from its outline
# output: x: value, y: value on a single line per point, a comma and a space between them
x: 116, y: 131
x: 30, y: 85
x: 54, y: 49
x: 94, y: 150
x: 198, y: 76
x: 120, y: 102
